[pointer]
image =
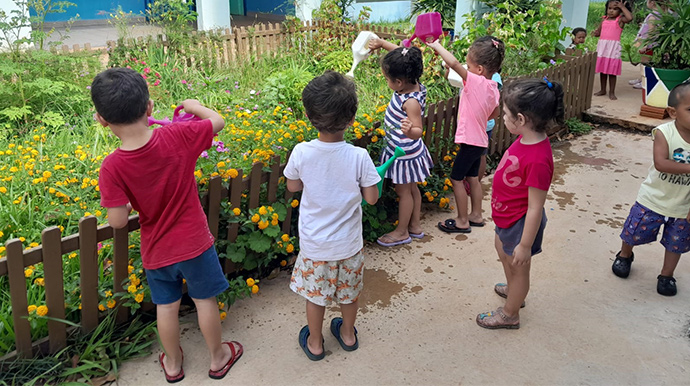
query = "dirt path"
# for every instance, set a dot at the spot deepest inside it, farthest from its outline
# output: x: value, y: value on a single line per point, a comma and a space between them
x: 582, y: 325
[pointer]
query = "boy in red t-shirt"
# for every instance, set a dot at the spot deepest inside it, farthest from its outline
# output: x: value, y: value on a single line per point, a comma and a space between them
x: 153, y: 172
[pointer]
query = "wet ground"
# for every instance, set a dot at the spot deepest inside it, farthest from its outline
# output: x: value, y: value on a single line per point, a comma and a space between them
x: 582, y: 325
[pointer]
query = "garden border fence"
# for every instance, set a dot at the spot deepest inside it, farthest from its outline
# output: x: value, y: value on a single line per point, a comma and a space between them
x: 576, y: 75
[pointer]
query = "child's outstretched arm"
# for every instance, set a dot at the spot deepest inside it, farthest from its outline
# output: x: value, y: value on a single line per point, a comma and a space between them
x: 661, y: 161
x: 193, y: 106
x: 449, y: 58
x: 376, y: 43
x: 535, y: 209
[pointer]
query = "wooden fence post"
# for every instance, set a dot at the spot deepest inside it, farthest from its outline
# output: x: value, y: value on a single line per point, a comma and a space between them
x: 55, y: 289
x: 120, y: 263
x: 15, y: 271
x: 255, y: 185
x: 88, y: 275
x: 235, y: 196
x: 214, y: 188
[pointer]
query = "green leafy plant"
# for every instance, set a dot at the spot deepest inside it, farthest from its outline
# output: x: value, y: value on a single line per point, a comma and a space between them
x: 445, y: 7
x: 338, y: 61
x: 122, y: 21
x: 285, y: 87
x: 175, y: 17
x: 578, y: 127
x: 670, y: 37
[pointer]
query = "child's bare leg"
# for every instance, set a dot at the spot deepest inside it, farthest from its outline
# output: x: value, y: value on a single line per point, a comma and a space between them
x: 168, y: 319
x: 626, y: 250
x: 670, y: 263
x: 347, y: 329
x: 518, y: 287
x: 461, y: 201
x: 504, y: 261
x: 405, y: 210
x: 482, y: 167
x: 612, y: 87
x: 476, y: 195
x: 209, y: 323
x: 415, y: 225
x: 602, y: 79
x: 315, y: 314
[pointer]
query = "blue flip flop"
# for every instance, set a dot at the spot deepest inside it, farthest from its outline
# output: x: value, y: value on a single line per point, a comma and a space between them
x: 303, y: 335
x: 336, y: 323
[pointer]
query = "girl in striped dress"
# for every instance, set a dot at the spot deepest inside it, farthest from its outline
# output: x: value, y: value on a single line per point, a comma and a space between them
x: 402, y: 68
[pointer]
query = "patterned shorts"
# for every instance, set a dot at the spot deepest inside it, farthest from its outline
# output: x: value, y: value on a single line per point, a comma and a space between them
x: 322, y: 282
x: 642, y: 227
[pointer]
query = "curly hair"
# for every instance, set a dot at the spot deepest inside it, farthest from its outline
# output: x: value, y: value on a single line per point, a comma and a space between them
x: 540, y: 101
x: 330, y: 101
x: 489, y: 52
x: 404, y: 64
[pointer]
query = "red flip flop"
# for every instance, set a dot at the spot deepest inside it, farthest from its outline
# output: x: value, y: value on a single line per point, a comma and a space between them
x: 220, y: 374
x: 173, y: 378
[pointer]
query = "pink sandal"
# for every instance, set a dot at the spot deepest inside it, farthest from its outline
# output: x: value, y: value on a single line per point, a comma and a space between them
x: 222, y: 372
x: 497, y: 319
x: 172, y: 378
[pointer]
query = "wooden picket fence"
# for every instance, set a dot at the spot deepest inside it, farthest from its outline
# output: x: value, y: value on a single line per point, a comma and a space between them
x: 576, y: 75
x: 54, y: 246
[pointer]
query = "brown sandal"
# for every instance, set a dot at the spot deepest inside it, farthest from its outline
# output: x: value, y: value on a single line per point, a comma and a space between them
x: 497, y: 319
x: 501, y: 290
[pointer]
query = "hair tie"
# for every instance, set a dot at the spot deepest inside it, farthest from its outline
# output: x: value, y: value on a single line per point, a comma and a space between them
x: 548, y: 84
x: 495, y: 42
x: 404, y: 51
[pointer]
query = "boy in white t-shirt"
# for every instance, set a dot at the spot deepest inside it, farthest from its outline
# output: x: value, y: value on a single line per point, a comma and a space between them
x: 333, y: 176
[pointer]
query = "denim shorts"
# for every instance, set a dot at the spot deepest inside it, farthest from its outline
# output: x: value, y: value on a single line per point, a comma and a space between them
x: 204, y: 276
x: 510, y: 237
x: 643, y: 225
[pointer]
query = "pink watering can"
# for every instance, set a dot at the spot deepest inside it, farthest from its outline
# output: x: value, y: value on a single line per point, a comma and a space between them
x: 176, y: 118
x: 427, y: 29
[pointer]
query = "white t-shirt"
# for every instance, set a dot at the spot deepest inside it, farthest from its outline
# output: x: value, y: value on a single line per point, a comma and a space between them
x: 330, y: 214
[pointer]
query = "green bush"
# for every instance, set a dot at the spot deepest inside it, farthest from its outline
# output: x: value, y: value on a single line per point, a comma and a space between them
x: 578, y: 127
x: 285, y: 87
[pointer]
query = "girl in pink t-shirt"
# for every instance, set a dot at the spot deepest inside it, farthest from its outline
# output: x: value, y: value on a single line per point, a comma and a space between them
x: 519, y: 189
x: 478, y: 104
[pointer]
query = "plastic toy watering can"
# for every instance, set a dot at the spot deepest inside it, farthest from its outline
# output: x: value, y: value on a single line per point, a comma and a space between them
x: 381, y: 170
x: 360, y: 50
x: 427, y: 28
x: 176, y: 118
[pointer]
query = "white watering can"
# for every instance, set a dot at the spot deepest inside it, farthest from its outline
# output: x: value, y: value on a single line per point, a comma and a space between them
x: 454, y: 78
x: 360, y: 50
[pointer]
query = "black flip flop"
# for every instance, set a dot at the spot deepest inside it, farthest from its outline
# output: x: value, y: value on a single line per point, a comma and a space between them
x: 476, y: 224
x: 449, y: 226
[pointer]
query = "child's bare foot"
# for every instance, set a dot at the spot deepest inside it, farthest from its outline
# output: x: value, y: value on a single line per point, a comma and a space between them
x: 612, y: 96
x: 600, y: 93
x: 232, y: 351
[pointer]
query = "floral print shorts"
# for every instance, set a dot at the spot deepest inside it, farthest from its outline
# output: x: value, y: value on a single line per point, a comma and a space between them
x: 323, y: 282
x: 643, y: 224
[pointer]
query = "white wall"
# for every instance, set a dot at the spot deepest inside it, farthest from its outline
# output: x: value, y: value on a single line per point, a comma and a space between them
x: 385, y: 10
x: 212, y: 14
x: 304, y: 8
x: 8, y: 6
x: 574, y: 15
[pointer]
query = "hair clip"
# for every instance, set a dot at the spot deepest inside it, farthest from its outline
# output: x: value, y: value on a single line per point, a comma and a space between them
x: 548, y: 84
x: 404, y: 51
x: 495, y: 42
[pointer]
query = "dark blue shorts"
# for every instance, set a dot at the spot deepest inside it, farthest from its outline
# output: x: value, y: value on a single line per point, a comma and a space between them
x: 510, y: 237
x: 643, y: 224
x: 204, y: 276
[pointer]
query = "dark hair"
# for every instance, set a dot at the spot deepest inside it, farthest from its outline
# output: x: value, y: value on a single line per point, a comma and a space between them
x: 404, y: 64
x: 534, y: 99
x: 625, y: 3
x: 677, y: 93
x: 578, y: 30
x: 330, y: 101
x: 120, y: 95
x: 489, y: 52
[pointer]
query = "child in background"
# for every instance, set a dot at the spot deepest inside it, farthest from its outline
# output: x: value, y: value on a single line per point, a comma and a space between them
x: 333, y: 176
x: 519, y: 190
x: 609, y: 61
x: 579, y: 35
x: 402, y: 68
x: 647, y: 50
x: 664, y: 196
x: 478, y: 105
x: 154, y: 171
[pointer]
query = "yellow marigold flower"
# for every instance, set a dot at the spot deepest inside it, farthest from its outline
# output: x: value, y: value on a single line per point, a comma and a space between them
x: 130, y: 268
x: 290, y: 248
x: 262, y: 210
x: 31, y: 308
x: 28, y: 272
x: 374, y: 139
x: 33, y: 245
x: 1, y: 234
x: 233, y: 173
x: 3, y: 189
x: 72, y: 255
x: 250, y: 282
x: 42, y: 311
x: 285, y: 237
x: 132, y: 289
x: 111, y: 303
x: 236, y: 211
x: 47, y: 174
x: 139, y: 298
x: 255, y: 288
x: 263, y: 224
x: 22, y: 239
x: 40, y: 281
x: 223, y: 315
x: 275, y: 216
x: 221, y: 305
x: 256, y: 217
x: 101, y: 307
x: 294, y: 203
x: 108, y: 293
x: 283, y: 263
x: 220, y: 164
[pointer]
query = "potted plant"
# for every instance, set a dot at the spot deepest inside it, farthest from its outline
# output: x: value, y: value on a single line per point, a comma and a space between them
x: 670, y: 62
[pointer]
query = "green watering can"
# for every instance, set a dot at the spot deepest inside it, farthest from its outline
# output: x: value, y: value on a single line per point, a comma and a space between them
x: 381, y: 170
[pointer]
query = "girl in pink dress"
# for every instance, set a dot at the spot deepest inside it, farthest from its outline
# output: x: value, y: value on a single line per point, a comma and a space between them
x: 609, y: 47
